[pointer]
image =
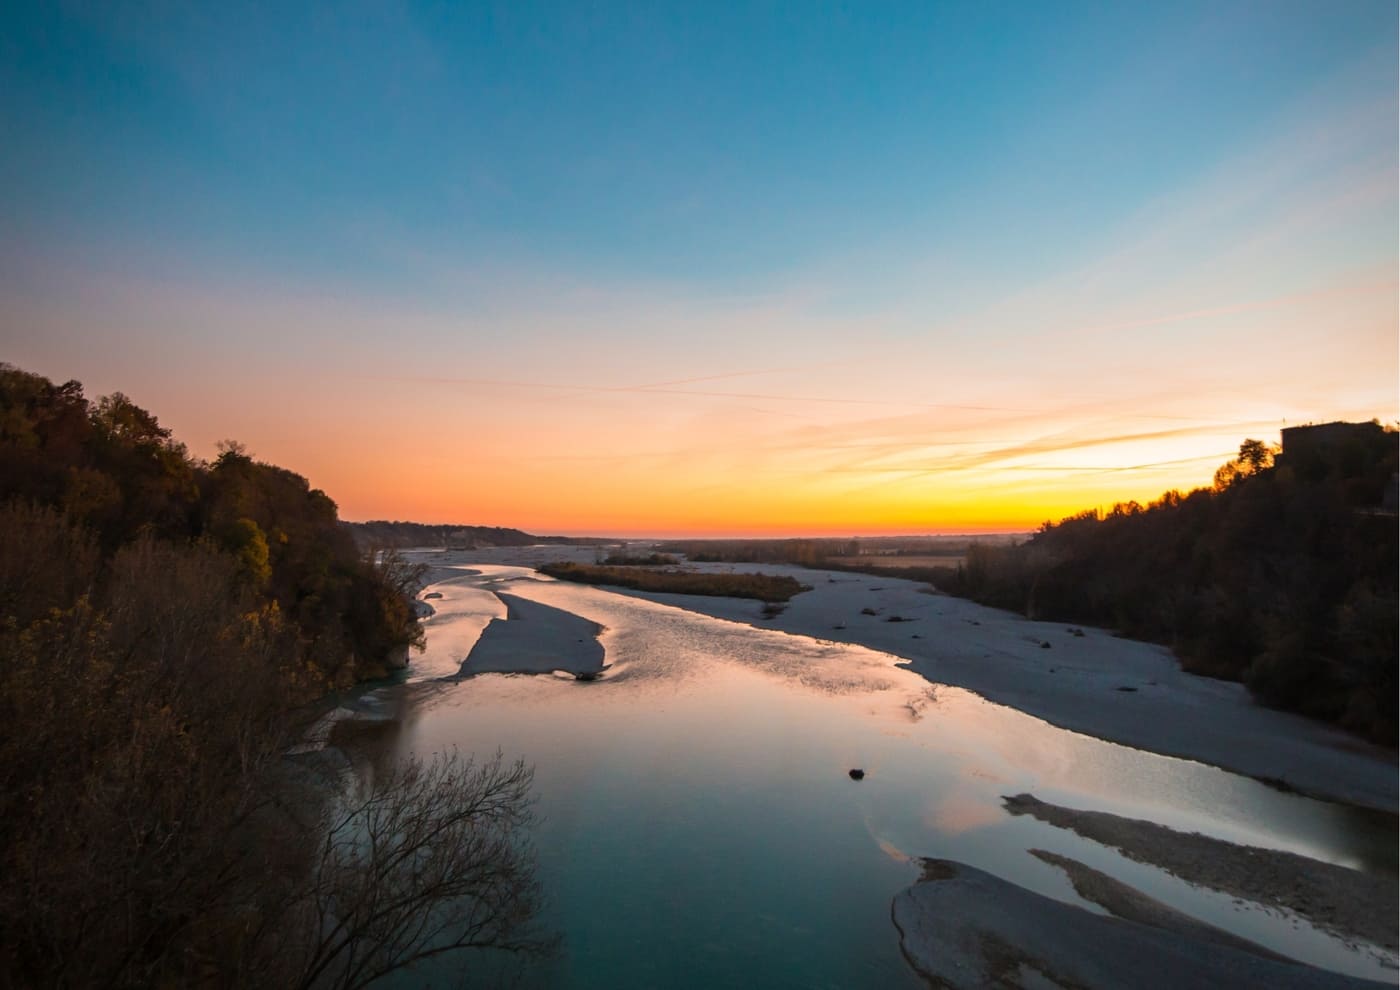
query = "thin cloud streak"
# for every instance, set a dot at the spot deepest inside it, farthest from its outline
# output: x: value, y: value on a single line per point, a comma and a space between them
x: 648, y: 390
x: 1045, y: 445
x: 760, y: 396
x: 1218, y: 457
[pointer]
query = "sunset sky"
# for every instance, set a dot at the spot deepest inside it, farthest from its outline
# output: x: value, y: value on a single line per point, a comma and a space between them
x: 664, y: 269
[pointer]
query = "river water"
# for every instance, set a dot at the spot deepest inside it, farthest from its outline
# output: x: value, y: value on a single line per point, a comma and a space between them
x: 699, y: 827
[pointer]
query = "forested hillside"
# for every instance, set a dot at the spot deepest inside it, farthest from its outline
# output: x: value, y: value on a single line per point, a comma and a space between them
x: 111, y: 475
x: 1283, y: 575
x: 164, y: 626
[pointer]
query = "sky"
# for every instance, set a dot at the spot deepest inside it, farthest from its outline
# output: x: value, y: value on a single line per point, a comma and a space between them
x: 710, y: 269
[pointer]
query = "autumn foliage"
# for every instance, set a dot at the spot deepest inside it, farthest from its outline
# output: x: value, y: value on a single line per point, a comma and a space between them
x: 167, y: 627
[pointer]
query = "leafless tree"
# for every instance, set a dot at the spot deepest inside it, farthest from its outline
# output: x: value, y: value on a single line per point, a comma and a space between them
x: 426, y: 859
x: 398, y: 573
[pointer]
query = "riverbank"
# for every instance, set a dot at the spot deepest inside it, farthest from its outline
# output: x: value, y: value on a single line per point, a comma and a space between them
x: 1083, y: 679
x: 959, y: 814
x: 1356, y: 906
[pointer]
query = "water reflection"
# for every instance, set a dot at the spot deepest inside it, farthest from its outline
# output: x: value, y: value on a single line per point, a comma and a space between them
x: 700, y: 827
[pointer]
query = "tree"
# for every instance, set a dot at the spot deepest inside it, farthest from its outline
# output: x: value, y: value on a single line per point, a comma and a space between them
x: 153, y: 831
x: 1256, y: 454
x: 425, y: 860
x: 166, y: 628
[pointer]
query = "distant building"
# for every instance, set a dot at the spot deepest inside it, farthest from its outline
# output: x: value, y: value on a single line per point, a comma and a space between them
x: 1325, y: 440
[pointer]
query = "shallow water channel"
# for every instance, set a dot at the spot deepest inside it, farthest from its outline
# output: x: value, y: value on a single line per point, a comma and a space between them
x: 699, y: 827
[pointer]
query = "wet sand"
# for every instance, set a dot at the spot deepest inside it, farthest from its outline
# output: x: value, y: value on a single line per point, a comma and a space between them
x: 1348, y: 903
x: 1131, y: 904
x: 962, y: 927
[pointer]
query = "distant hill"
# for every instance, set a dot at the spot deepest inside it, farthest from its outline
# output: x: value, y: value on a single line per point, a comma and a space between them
x: 399, y: 535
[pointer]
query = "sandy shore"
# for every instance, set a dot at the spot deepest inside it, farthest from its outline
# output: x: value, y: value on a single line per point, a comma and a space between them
x: 962, y: 927
x: 1083, y: 679
x: 536, y: 639
x: 1348, y: 903
x: 1131, y: 904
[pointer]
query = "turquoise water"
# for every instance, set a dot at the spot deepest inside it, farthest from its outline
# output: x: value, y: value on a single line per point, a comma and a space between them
x: 699, y: 827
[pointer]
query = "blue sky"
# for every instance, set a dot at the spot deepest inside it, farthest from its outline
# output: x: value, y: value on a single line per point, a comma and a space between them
x: 710, y: 143
x: 647, y: 193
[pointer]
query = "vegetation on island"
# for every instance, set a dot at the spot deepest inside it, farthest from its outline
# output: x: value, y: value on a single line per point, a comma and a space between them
x: 640, y: 560
x: 803, y: 552
x: 911, y: 558
x: 167, y: 627
x: 763, y: 587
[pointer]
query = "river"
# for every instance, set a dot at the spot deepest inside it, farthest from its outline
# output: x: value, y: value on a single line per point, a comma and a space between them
x: 699, y: 827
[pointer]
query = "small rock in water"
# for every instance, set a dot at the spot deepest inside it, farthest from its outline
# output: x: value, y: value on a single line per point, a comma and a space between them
x: 857, y: 774
x: 1044, y: 645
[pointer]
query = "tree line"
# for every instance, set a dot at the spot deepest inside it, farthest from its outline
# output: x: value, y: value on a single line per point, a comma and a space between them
x: 1281, y: 575
x: 402, y: 535
x: 167, y: 626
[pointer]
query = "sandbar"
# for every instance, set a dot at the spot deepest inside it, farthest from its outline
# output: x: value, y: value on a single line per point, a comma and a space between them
x: 536, y: 639
x: 1348, y: 903
x: 962, y: 927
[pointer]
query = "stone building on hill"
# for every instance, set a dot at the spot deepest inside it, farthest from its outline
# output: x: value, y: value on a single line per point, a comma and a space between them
x: 1328, y: 440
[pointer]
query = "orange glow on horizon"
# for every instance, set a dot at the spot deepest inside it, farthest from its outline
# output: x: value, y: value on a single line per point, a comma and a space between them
x: 723, y: 430
x: 591, y: 507
x: 578, y: 328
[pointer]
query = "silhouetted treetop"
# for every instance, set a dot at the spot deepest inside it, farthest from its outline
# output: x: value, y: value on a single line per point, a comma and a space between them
x: 111, y: 468
x: 1283, y: 575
